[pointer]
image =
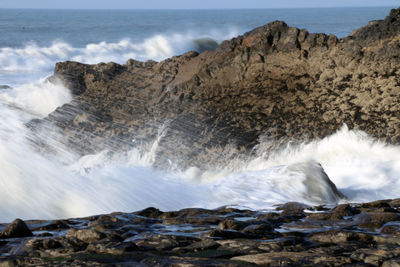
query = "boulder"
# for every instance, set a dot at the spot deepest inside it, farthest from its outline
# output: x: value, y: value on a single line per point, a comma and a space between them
x: 85, y: 235
x: 17, y: 228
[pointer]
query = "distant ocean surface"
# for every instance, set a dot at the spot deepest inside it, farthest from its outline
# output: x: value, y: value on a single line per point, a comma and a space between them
x: 32, y: 41
x: 33, y: 185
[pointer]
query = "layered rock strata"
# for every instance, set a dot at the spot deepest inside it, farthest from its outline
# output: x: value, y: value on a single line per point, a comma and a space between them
x: 275, y: 83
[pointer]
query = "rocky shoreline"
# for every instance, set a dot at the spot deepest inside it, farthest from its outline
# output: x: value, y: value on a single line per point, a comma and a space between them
x: 273, y: 85
x: 365, y: 234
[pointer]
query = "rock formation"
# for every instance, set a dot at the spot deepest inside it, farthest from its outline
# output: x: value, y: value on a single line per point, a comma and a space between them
x: 364, y: 234
x: 276, y: 81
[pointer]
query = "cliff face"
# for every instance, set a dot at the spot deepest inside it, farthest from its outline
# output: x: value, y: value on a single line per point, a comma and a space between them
x: 275, y: 81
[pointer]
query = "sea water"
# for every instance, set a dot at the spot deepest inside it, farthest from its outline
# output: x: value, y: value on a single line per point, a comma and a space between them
x: 36, y: 186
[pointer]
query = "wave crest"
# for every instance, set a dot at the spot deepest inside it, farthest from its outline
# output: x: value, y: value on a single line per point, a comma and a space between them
x: 40, y: 60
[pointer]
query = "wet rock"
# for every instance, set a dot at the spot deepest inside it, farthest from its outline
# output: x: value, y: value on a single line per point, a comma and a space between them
x: 277, y: 258
x: 202, y: 245
x: 229, y: 211
x: 340, y: 237
x: 226, y: 234
x: 205, y: 220
x: 319, y: 216
x: 377, y: 204
x: 86, y: 235
x: 271, y: 217
x: 250, y: 246
x: 391, y: 263
x: 164, y: 242
x: 112, y: 248
x: 150, y: 213
x: 259, y: 230
x: 310, y: 242
x: 392, y: 240
x: 293, y: 206
x: 232, y: 224
x: 52, y: 225
x: 377, y: 219
x: 292, y: 215
x: 341, y: 211
x: 17, y: 228
x: 391, y: 230
x: 395, y: 203
x: 51, y: 244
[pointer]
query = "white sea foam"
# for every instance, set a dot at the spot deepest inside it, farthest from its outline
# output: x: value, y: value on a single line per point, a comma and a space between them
x: 38, y: 61
x: 34, y: 186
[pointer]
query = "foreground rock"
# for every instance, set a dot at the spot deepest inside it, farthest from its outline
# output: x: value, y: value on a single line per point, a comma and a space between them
x: 293, y: 235
x: 17, y: 228
x: 275, y: 81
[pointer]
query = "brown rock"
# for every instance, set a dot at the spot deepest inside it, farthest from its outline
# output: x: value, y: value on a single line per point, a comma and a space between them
x: 226, y: 234
x: 232, y: 224
x: 275, y: 81
x: 395, y: 203
x: 277, y: 258
x: 150, y: 213
x: 377, y: 204
x: 86, y: 235
x: 377, y: 219
x: 340, y: 237
x: 17, y: 228
x: 343, y: 210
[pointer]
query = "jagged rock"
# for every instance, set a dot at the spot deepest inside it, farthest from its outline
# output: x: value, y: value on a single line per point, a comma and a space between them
x: 276, y: 81
x: 17, y: 228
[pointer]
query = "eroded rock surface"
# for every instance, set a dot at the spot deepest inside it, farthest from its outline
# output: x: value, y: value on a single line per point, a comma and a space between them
x: 275, y: 82
x: 349, y: 234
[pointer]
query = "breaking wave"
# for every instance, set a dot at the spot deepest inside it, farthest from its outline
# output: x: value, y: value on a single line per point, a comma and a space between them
x: 37, y: 61
x: 37, y: 186
x: 33, y: 185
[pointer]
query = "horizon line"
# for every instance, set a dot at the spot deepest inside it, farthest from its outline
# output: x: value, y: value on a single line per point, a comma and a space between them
x: 182, y: 9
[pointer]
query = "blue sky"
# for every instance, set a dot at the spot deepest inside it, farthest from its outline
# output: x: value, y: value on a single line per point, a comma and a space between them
x: 188, y: 4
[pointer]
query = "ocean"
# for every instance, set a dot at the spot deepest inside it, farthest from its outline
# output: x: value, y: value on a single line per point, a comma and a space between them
x: 34, y: 185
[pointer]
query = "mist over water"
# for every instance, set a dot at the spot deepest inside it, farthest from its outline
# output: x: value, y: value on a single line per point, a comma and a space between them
x: 61, y: 185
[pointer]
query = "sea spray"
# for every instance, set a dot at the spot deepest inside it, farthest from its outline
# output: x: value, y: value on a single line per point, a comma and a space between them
x: 38, y: 61
x: 63, y: 184
x: 37, y: 185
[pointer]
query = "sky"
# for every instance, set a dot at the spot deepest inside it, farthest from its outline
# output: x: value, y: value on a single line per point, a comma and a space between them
x: 188, y: 4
